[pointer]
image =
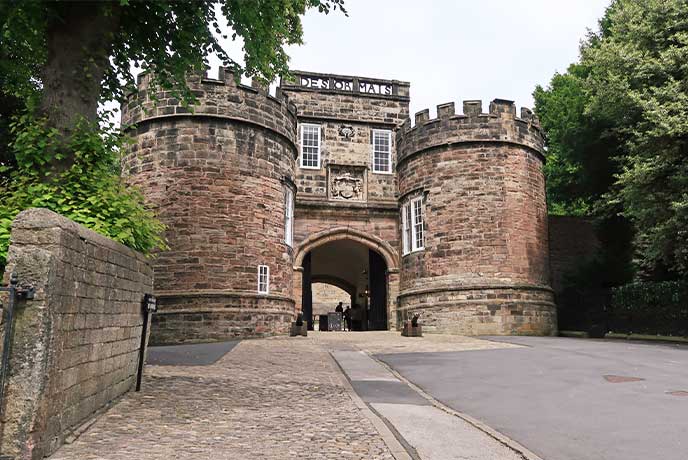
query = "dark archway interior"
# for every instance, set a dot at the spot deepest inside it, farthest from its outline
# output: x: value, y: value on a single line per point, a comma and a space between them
x: 353, y: 267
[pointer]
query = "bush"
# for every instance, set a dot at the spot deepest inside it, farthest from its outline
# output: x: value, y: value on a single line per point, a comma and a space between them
x: 650, y: 308
x: 88, y: 190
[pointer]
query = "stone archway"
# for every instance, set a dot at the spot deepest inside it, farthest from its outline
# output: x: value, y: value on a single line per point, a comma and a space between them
x: 334, y: 281
x: 384, y: 249
x: 347, y: 233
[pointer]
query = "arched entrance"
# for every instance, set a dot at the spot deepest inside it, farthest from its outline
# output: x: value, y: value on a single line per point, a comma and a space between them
x: 364, y: 266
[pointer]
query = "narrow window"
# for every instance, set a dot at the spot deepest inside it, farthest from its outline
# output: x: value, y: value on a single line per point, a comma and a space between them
x: 418, y: 242
x: 406, y: 228
x: 310, y: 146
x: 289, y: 216
x: 263, y: 279
x: 382, y: 151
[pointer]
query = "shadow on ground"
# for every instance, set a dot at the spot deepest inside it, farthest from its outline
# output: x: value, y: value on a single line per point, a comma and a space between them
x: 197, y: 354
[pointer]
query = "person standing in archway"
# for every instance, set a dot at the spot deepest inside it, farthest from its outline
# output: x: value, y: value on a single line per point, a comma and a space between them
x: 347, y: 318
x: 339, y: 309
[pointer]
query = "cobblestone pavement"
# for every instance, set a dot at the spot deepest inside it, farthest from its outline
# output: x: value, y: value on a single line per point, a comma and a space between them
x: 266, y: 399
x: 382, y: 342
x: 278, y: 398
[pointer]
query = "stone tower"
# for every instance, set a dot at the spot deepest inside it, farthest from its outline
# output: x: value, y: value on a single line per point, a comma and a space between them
x: 477, y: 263
x: 221, y: 177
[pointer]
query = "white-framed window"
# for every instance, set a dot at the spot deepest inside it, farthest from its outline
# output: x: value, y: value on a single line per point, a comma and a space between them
x: 310, y: 146
x: 418, y: 241
x: 412, y: 230
x: 263, y: 279
x: 289, y: 216
x: 382, y: 151
x: 406, y: 228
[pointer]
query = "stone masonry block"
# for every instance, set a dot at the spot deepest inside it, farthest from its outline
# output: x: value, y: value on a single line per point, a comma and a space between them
x: 65, y: 335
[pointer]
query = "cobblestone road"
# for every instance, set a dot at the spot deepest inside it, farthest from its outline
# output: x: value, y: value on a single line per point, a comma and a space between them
x: 267, y: 399
x: 276, y: 398
x: 383, y: 342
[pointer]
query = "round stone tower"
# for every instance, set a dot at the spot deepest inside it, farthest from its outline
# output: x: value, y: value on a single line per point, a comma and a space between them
x: 220, y: 175
x: 477, y: 261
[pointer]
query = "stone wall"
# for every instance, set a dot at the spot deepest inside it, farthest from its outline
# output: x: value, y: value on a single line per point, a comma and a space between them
x: 326, y: 297
x: 572, y: 243
x: 484, y: 268
x: 348, y: 109
x: 217, y: 176
x: 76, y: 344
x: 336, y: 110
x: 382, y: 222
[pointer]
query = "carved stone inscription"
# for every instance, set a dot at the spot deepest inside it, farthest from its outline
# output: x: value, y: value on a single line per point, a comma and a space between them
x: 347, y: 183
x: 368, y: 87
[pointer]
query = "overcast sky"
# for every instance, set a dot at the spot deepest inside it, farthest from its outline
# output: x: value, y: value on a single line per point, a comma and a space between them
x: 450, y: 50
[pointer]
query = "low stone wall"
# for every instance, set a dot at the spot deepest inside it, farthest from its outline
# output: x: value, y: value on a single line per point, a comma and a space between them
x: 76, y: 344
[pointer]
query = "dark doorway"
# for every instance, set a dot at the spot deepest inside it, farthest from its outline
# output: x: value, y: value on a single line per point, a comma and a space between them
x: 306, y: 289
x: 358, y: 270
x: 377, y: 319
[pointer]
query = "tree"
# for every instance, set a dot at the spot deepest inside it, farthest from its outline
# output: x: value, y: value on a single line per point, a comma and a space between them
x: 581, y: 165
x: 581, y: 150
x: 84, y: 49
x: 18, y: 87
x: 617, y: 128
x: 60, y: 59
x: 639, y: 79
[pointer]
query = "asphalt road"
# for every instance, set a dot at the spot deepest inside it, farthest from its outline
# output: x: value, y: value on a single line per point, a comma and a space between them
x: 425, y: 431
x: 197, y: 354
x: 567, y: 399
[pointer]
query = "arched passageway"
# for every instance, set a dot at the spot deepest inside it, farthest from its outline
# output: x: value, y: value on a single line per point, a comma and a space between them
x: 357, y: 269
x: 326, y: 296
x: 360, y: 264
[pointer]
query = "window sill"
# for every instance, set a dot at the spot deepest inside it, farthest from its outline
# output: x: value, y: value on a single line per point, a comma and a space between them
x: 310, y: 167
x: 413, y: 252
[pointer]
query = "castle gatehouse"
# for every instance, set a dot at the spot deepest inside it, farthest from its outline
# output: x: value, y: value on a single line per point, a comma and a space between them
x: 329, y: 182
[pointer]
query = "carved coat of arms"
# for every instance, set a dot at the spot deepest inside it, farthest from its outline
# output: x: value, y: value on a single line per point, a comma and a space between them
x: 347, y: 187
x: 347, y: 132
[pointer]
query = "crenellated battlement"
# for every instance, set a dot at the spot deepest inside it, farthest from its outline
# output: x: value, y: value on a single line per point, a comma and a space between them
x: 500, y: 124
x: 220, y: 97
x: 473, y: 109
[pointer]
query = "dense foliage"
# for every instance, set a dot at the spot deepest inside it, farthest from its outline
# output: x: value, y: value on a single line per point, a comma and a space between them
x: 617, y: 129
x: 90, y: 192
x: 650, y: 308
x: 60, y: 59
x: 82, y: 52
x: 580, y: 164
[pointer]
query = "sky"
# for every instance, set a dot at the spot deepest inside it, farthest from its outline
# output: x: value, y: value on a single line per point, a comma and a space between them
x: 449, y: 50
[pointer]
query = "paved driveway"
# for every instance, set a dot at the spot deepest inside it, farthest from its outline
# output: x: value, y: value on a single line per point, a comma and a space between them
x: 567, y: 399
